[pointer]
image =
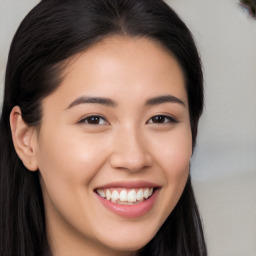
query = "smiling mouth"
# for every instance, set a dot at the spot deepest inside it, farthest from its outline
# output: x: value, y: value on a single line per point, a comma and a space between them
x: 126, y: 196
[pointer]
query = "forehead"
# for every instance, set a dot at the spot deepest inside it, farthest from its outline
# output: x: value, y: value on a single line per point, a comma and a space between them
x: 123, y: 66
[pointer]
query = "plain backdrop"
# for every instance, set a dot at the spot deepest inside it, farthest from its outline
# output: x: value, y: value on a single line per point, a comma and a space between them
x: 223, y: 167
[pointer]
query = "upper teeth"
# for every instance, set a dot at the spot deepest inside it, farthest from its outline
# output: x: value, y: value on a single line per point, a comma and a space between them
x: 125, y: 195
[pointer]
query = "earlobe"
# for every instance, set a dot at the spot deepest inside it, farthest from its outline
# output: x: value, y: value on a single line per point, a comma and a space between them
x: 24, y: 139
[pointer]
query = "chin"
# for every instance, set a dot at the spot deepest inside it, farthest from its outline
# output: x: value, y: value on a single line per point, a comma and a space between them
x: 129, y: 243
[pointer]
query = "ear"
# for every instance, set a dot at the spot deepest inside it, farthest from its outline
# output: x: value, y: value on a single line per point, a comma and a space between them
x: 24, y: 139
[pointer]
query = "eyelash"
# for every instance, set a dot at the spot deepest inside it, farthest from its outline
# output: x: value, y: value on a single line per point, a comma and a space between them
x: 165, y: 118
x: 93, y: 118
x: 100, y: 120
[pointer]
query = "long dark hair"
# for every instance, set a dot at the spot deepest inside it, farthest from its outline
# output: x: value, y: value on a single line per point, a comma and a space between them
x: 51, y: 33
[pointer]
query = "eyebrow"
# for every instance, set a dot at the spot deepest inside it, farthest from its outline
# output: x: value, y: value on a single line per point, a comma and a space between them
x: 111, y: 103
x: 96, y: 100
x: 164, y: 99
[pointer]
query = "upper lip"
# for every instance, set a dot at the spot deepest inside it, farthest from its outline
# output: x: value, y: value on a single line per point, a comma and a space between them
x: 127, y: 184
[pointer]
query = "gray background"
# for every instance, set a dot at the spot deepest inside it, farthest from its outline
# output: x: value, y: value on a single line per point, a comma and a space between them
x: 224, y: 163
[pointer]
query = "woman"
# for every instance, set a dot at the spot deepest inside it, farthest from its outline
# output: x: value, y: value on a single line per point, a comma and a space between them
x: 99, y: 121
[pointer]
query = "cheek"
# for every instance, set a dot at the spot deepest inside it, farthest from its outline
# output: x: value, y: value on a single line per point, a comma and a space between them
x: 68, y: 163
x: 173, y: 153
x: 70, y: 155
x: 180, y: 151
x: 178, y: 157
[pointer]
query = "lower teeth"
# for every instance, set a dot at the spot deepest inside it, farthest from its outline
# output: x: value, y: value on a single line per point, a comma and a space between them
x: 127, y: 203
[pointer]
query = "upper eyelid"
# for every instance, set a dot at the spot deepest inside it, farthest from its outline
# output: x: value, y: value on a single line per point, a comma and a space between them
x: 92, y: 115
x: 172, y: 118
x: 168, y: 116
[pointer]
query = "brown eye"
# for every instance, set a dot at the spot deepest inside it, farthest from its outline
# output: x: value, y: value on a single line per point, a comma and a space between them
x: 161, y: 119
x: 94, y: 120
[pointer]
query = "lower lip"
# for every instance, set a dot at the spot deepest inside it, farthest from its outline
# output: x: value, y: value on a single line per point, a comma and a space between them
x: 130, y: 211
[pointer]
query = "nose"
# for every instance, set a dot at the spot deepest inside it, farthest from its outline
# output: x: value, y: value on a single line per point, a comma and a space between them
x: 130, y: 152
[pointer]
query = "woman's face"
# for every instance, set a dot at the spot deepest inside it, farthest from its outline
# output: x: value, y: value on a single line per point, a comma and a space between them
x: 115, y: 131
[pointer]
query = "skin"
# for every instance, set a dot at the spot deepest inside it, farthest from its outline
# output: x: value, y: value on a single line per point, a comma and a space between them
x: 75, y: 157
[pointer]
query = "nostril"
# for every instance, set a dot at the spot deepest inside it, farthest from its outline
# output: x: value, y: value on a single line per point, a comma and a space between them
x: 130, y: 162
x: 130, y: 150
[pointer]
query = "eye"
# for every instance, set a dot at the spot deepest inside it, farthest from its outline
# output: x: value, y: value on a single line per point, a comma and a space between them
x: 94, y: 120
x: 161, y: 119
